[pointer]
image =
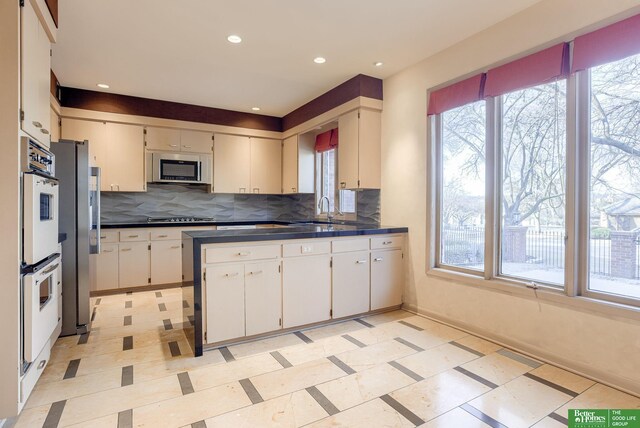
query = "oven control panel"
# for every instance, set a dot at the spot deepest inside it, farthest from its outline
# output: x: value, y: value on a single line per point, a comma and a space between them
x: 36, y: 158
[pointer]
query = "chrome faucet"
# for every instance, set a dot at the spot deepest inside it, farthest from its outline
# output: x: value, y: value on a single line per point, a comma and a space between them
x: 320, y: 204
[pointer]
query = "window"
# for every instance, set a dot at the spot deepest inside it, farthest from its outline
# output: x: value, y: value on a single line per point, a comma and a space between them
x: 326, y: 185
x: 614, y: 210
x: 533, y: 181
x: 462, y: 204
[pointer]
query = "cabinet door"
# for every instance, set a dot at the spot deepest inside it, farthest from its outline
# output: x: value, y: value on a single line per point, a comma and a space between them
x: 348, y: 151
x: 350, y: 291
x: 96, y: 134
x: 386, y: 279
x: 306, y: 290
x: 196, y: 142
x: 231, y: 164
x: 263, y: 297
x: 106, y: 267
x: 133, y: 264
x: 166, y: 262
x: 165, y: 139
x: 225, y: 302
x: 125, y: 158
x: 290, y: 165
x: 369, y: 141
x: 266, y: 166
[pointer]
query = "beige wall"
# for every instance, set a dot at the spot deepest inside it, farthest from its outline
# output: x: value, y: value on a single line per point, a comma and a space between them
x: 602, y: 346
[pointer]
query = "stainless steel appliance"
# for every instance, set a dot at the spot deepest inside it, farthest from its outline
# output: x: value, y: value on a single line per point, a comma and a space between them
x: 80, y: 197
x: 178, y: 168
x: 180, y: 220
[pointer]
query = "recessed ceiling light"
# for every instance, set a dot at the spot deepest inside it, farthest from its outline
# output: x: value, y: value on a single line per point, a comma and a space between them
x: 319, y: 60
x: 255, y: 108
x: 378, y: 64
x: 234, y: 38
x: 102, y: 85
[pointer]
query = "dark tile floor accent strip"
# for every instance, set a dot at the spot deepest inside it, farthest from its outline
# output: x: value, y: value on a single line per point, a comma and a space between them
x: 559, y: 418
x: 364, y: 323
x: 185, y: 304
x: 228, y: 356
x: 127, y: 320
x: 72, y: 369
x: 303, y: 337
x: 415, y: 327
x: 409, y: 344
x: 167, y: 324
x: 158, y: 294
x: 93, y: 314
x: 98, y: 301
x: 408, y: 414
x: 128, y: 304
x: 82, y: 340
x: 185, y: 383
x: 552, y: 385
x: 338, y: 362
x: 175, y: 349
x: 413, y: 375
x: 519, y: 358
x: 323, y: 401
x: 127, y: 376
x: 127, y: 343
x: 476, y: 377
x: 125, y: 419
x: 251, y: 391
x: 281, y: 359
x: 354, y: 340
x: 192, y: 320
x: 162, y: 307
x: 199, y: 424
x: 466, y: 348
x: 483, y: 417
x: 54, y: 415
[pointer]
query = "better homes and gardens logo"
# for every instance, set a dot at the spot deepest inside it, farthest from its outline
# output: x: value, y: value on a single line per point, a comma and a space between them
x: 604, y: 418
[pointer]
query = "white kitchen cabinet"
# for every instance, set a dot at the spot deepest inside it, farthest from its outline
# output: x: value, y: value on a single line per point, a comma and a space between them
x: 125, y: 158
x: 266, y: 166
x: 263, y: 297
x: 106, y: 267
x: 350, y: 290
x: 231, y: 164
x: 163, y: 139
x: 133, y: 264
x: 386, y: 278
x: 298, y: 164
x: 96, y: 134
x: 196, y: 141
x: 35, y: 48
x: 166, y: 262
x: 306, y: 290
x: 225, y: 302
x: 359, y: 149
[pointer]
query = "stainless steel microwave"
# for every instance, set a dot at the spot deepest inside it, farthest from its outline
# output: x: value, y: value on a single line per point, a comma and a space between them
x: 178, y: 168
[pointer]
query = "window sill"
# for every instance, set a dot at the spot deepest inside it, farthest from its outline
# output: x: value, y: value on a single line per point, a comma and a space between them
x: 542, y: 293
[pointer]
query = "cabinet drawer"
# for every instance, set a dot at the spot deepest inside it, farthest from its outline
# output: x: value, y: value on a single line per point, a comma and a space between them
x: 165, y: 234
x: 306, y: 248
x: 234, y: 254
x: 345, y: 245
x: 382, y: 242
x: 134, y: 235
x: 108, y: 236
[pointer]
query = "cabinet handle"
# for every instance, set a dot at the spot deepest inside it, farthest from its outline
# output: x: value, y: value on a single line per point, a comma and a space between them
x: 176, y: 246
x: 244, y: 254
x: 187, y: 147
x: 37, y: 124
x: 343, y: 185
x: 230, y: 275
x: 243, y: 190
x: 133, y: 236
x: 163, y: 236
x: 125, y: 249
x: 293, y: 189
x: 173, y: 145
x: 103, y: 236
x: 107, y: 251
x: 256, y: 190
x: 258, y: 272
x: 377, y: 259
x: 361, y: 262
x: 387, y: 242
x: 41, y: 364
x: 44, y: 131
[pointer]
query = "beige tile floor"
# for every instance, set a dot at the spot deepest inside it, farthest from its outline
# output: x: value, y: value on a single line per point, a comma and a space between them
x: 390, y: 370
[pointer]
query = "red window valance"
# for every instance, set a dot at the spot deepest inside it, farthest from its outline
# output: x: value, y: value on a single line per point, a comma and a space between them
x: 456, y: 95
x: 327, y: 140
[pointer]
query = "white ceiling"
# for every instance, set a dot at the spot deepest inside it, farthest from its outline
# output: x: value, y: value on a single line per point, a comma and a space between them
x: 178, y: 50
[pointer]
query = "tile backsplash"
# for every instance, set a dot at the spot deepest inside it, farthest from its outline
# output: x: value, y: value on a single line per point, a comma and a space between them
x: 177, y: 200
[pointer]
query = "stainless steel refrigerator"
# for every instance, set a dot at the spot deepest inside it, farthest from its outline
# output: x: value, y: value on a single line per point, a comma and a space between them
x: 80, y: 221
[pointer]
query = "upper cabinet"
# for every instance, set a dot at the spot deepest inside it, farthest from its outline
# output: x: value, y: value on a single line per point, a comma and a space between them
x: 246, y: 165
x: 55, y: 125
x: 35, y: 54
x: 117, y: 149
x: 298, y: 158
x: 178, y: 140
x: 359, y: 149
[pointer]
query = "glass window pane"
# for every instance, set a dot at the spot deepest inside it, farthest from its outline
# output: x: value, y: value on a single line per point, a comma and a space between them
x: 614, y: 264
x: 462, y: 212
x: 533, y: 183
x: 327, y: 186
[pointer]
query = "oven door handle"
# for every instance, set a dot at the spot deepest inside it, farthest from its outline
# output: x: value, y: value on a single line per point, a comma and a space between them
x: 51, y: 268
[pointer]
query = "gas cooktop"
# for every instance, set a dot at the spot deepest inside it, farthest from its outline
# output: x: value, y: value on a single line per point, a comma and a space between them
x: 180, y: 219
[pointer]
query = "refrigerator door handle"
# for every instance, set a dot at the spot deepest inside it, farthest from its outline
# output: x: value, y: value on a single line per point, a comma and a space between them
x: 95, y: 221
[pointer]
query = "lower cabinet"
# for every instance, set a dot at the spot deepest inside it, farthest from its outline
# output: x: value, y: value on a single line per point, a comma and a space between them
x: 133, y: 264
x: 225, y: 302
x: 263, y: 297
x: 106, y: 267
x: 386, y: 278
x: 306, y: 290
x: 165, y: 265
x: 350, y: 277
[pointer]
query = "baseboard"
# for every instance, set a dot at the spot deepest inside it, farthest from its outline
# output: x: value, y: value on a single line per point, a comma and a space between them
x: 152, y: 287
x: 599, y: 376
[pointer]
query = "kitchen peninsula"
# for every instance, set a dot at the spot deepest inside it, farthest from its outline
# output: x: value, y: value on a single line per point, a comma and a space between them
x: 248, y: 283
